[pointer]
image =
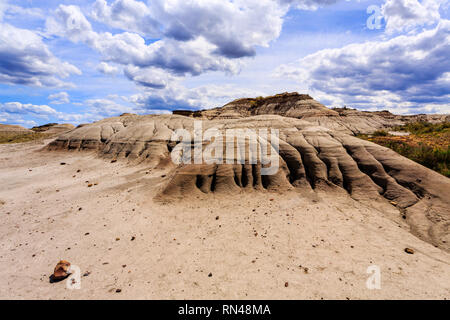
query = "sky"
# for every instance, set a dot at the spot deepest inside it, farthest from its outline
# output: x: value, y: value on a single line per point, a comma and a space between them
x: 81, y: 61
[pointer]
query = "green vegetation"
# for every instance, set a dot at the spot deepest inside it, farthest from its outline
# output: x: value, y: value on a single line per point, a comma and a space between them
x: 380, y: 133
x: 434, y: 158
x: 427, y: 144
x: 10, y: 137
x: 424, y: 127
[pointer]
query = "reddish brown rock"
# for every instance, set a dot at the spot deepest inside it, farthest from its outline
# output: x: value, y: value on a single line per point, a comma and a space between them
x: 61, y: 271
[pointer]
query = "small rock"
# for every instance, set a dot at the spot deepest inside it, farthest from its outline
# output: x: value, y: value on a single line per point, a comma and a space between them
x: 409, y: 250
x: 133, y: 238
x: 90, y: 185
x: 61, y: 271
x: 86, y: 273
x: 286, y: 284
x: 118, y: 290
x: 210, y: 275
x: 113, y: 161
x: 63, y: 163
x: 117, y: 239
x: 217, y: 218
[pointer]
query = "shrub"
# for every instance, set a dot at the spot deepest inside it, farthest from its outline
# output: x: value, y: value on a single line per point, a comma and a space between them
x: 380, y: 133
x: 423, y: 127
x: 433, y: 158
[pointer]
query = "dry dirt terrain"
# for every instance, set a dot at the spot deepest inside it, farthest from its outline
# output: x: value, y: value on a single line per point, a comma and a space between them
x: 106, y: 198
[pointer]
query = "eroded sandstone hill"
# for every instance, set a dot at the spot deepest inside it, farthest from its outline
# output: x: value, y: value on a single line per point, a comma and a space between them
x: 303, y: 106
x: 6, y: 128
x: 310, y: 157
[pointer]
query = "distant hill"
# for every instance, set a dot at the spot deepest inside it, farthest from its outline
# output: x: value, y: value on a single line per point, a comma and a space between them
x: 303, y: 106
x: 18, y: 134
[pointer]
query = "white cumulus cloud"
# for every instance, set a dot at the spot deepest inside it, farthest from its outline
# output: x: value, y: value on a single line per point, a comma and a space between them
x: 59, y: 98
x: 406, y: 15
x: 107, y: 69
x: 405, y: 71
x: 26, y: 60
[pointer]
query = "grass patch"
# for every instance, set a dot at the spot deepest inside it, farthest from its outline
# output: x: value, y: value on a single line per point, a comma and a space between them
x: 380, y: 133
x: 433, y: 158
x: 11, y: 137
x: 424, y: 127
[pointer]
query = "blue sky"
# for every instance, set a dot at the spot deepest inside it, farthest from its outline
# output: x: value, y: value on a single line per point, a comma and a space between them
x: 81, y: 61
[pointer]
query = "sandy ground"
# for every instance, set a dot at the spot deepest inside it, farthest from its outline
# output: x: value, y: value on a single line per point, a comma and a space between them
x: 297, y: 245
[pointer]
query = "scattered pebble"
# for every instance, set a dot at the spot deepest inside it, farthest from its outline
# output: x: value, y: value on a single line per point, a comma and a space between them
x: 286, y: 284
x: 409, y: 250
x: 210, y: 275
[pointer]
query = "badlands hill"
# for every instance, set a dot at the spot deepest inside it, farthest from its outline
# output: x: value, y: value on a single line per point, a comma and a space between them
x: 6, y: 128
x: 53, y: 128
x: 303, y: 106
x: 310, y: 157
